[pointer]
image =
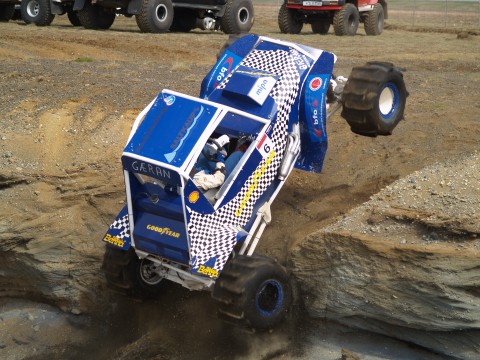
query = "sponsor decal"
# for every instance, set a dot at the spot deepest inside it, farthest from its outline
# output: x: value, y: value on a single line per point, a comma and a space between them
x: 257, y: 175
x: 164, y: 231
x: 206, y: 270
x: 114, y: 240
x: 299, y: 59
x: 169, y: 100
x: 225, y: 69
x: 315, y: 118
x: 261, y: 89
x: 315, y: 83
x: 183, y: 133
x: 193, y: 197
x: 149, y: 169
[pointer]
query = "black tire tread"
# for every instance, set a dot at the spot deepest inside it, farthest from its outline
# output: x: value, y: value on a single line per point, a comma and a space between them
x: 371, y: 21
x: 228, y: 21
x: 339, y: 19
x: 44, y: 17
x: 230, y: 288
x: 287, y: 22
x: 360, y: 94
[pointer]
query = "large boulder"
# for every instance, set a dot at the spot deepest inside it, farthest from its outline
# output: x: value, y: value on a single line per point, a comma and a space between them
x: 406, y: 263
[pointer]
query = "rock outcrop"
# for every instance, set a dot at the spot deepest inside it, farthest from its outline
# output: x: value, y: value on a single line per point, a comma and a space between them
x: 406, y: 263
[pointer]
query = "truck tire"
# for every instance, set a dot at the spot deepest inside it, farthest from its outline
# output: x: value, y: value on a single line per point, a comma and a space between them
x: 374, y: 20
x: 288, y: 21
x: 128, y: 274
x: 37, y: 12
x: 156, y: 16
x: 346, y: 20
x: 93, y: 16
x: 6, y: 12
x: 184, y: 20
x: 73, y: 18
x: 238, y: 17
x: 253, y: 290
x: 321, y: 26
x: 374, y: 99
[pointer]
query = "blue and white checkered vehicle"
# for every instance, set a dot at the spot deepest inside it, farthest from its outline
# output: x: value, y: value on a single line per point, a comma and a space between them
x: 269, y: 101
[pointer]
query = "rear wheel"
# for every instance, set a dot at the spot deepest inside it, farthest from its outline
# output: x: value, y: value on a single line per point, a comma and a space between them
x: 73, y: 18
x: 289, y: 21
x: 184, y: 20
x: 6, y: 12
x: 37, y: 12
x: 93, y: 16
x: 346, y: 20
x: 254, y: 290
x: 238, y: 17
x: 374, y: 20
x: 156, y: 16
x: 374, y: 99
x: 321, y: 26
x: 126, y: 273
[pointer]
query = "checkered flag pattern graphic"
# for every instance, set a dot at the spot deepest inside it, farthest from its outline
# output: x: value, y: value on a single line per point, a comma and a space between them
x: 214, y: 235
x: 123, y: 225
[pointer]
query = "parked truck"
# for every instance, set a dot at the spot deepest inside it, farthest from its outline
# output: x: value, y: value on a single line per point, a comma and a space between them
x: 344, y: 15
x: 152, y: 16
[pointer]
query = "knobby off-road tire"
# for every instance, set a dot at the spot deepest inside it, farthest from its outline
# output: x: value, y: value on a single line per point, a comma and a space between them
x: 253, y: 290
x: 128, y: 274
x: 346, y: 20
x: 321, y: 26
x: 156, y: 16
x: 73, y: 18
x: 93, y: 16
x: 374, y: 20
x: 288, y: 20
x: 6, y: 12
x: 238, y: 17
x: 374, y: 99
x: 37, y: 12
x: 184, y: 20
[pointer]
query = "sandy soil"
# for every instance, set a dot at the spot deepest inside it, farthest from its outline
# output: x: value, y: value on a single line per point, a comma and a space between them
x: 69, y: 96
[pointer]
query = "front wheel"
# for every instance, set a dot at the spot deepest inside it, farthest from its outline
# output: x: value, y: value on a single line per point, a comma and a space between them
x: 374, y: 99
x: 255, y: 290
x: 156, y: 16
x: 6, y: 12
x: 37, y: 12
x: 238, y: 17
x: 346, y: 20
x: 321, y: 26
x: 374, y: 20
x: 289, y: 20
x: 93, y: 16
x: 73, y: 18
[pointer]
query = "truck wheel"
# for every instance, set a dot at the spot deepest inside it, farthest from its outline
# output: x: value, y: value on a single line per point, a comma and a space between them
x: 321, y: 26
x: 93, y: 16
x: 346, y: 20
x: 254, y: 290
x: 184, y: 20
x: 374, y: 20
x: 126, y: 273
x: 37, y: 12
x: 6, y: 12
x: 73, y: 18
x: 238, y: 17
x: 156, y: 16
x: 288, y: 20
x: 374, y: 99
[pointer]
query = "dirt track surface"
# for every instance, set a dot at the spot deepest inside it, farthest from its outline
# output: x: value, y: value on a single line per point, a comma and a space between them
x: 69, y: 96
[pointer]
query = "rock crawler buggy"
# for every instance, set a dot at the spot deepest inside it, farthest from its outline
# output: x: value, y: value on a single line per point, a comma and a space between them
x: 271, y: 99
